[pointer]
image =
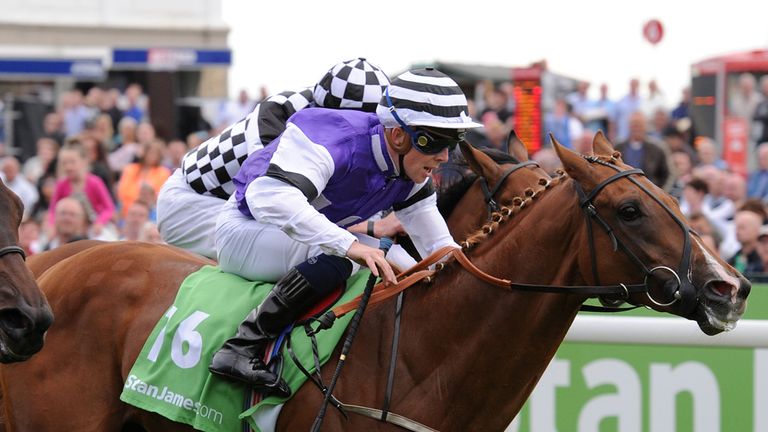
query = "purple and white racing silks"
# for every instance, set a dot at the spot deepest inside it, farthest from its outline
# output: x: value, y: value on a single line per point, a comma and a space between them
x: 331, y: 169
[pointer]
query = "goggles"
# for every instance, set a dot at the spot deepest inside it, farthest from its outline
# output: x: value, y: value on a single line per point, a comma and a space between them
x: 428, y: 142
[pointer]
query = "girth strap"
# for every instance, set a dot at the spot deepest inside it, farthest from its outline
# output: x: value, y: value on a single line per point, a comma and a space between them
x: 395, y: 419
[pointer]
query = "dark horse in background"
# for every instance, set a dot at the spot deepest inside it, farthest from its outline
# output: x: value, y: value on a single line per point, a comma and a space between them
x: 24, y: 312
x: 470, y: 352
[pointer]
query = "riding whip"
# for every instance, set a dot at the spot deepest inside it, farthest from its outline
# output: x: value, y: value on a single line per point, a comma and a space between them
x: 384, y: 244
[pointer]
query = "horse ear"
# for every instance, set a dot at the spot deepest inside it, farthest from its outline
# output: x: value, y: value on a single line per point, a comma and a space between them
x: 479, y: 162
x: 601, y: 144
x: 573, y: 163
x: 516, y: 147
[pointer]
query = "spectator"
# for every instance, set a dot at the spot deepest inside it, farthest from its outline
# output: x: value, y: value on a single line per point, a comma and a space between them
x: 233, y: 111
x: 638, y: 151
x: 46, y: 185
x: 135, y: 103
x: 563, y: 124
x: 747, y: 260
x: 148, y: 170
x: 29, y: 237
x: 694, y: 197
x: 148, y: 196
x: 760, y: 116
x: 137, y: 216
x: 494, y: 132
x: 683, y: 165
x: 709, y: 236
x: 681, y: 111
x: 675, y: 141
x: 78, y: 181
x: 745, y: 99
x: 731, y: 243
x: 757, y: 184
x: 659, y: 123
x: 72, y: 221
x: 108, y: 106
x: 600, y: 113
x: 128, y: 146
x: 75, y: 114
x: 53, y: 127
x: 655, y: 101
x: 707, y: 152
x: 96, y: 155
x: 196, y: 138
x: 19, y: 184
x: 625, y: 107
x: 174, y: 153
x: 579, y: 100
x: 103, y: 131
x: 38, y: 164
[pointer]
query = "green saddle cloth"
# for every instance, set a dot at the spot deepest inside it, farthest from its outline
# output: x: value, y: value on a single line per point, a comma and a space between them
x: 171, y: 376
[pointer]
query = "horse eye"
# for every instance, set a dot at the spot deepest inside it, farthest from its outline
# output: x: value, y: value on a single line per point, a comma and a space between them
x: 629, y: 213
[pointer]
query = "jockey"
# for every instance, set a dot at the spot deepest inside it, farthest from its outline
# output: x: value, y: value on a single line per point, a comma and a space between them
x: 192, y: 198
x: 328, y: 170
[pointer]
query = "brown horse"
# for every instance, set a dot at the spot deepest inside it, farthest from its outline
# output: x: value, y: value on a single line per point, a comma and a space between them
x: 24, y: 312
x: 470, y: 353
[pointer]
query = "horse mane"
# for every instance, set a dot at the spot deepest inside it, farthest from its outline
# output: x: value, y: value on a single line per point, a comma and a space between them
x: 507, y: 212
x: 456, y: 177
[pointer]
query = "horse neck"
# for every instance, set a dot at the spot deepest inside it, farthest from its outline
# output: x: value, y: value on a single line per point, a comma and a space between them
x: 462, y: 223
x: 487, y: 346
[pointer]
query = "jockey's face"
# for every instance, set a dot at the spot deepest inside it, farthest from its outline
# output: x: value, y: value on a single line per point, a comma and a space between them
x: 418, y: 166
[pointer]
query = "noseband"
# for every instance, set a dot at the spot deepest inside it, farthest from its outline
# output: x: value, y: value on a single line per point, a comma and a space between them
x: 685, y: 292
x: 13, y: 249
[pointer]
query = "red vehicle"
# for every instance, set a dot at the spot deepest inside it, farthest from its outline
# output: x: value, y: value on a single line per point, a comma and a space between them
x: 714, y: 93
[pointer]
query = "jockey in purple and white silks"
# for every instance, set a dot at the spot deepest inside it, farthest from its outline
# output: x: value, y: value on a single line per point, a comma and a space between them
x: 192, y: 198
x: 328, y: 170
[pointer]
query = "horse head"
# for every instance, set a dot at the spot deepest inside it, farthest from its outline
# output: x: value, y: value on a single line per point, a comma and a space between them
x: 627, y: 214
x: 24, y: 312
x: 496, y: 180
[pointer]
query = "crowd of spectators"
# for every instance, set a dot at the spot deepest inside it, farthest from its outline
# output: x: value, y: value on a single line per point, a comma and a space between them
x: 98, y: 168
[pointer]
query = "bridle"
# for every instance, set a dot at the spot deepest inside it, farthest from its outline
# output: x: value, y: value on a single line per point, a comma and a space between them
x: 684, y: 291
x: 13, y: 249
x: 489, y: 193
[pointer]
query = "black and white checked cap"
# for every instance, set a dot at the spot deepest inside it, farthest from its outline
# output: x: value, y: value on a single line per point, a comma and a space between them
x: 426, y: 97
x: 353, y: 84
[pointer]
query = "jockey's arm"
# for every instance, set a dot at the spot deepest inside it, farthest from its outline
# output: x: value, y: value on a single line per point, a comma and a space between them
x: 426, y: 227
x: 278, y: 203
x: 275, y: 202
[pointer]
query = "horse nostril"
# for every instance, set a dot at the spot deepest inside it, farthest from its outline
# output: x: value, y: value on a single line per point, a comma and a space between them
x: 14, y: 320
x: 721, y: 288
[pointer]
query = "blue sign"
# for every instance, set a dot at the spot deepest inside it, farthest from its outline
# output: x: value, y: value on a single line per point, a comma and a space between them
x: 170, y: 58
x: 78, y: 68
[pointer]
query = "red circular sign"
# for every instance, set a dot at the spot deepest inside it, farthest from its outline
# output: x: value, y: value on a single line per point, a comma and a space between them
x: 653, y: 31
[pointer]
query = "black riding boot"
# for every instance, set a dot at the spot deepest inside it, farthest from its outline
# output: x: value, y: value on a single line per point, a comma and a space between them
x: 240, y: 357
